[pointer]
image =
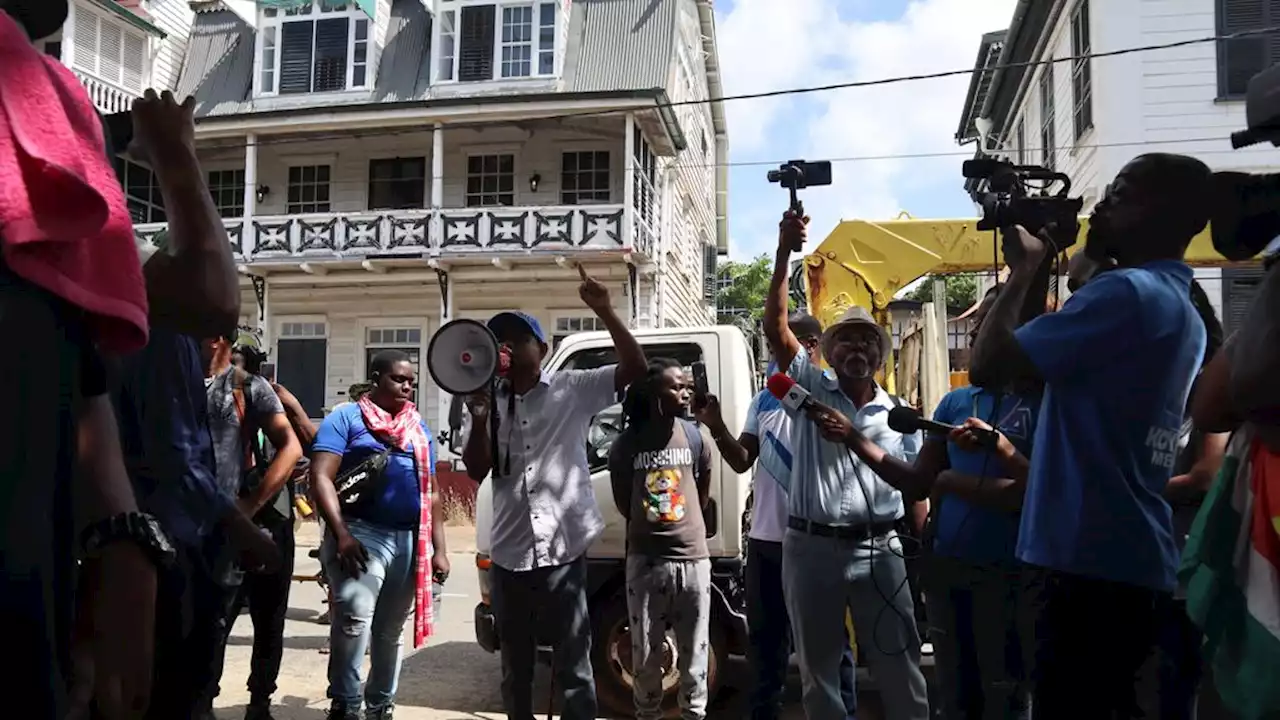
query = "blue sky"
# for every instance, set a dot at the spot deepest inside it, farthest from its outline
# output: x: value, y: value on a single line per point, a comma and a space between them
x: 777, y: 44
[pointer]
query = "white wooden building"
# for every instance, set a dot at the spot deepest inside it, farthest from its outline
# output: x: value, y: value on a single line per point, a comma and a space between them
x: 1088, y: 118
x: 385, y: 166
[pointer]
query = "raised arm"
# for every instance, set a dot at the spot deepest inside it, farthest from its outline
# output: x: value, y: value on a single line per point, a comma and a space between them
x: 192, y: 286
x: 631, y: 360
x: 792, y: 231
x: 997, y: 358
x: 741, y: 453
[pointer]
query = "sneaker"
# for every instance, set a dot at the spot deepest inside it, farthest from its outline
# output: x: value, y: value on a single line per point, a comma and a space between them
x: 337, y: 712
x: 380, y: 713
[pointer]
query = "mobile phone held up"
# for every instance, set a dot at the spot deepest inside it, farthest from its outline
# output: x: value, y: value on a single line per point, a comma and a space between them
x: 701, y: 387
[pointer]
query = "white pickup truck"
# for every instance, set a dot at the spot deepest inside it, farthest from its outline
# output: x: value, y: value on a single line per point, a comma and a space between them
x: 731, y: 377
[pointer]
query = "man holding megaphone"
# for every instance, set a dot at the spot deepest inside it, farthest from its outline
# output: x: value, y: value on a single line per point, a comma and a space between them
x: 531, y: 434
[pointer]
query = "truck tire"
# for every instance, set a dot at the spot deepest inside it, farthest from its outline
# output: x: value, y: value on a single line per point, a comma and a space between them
x: 611, y: 661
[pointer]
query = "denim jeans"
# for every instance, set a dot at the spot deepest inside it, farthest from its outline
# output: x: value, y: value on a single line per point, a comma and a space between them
x: 974, y: 624
x: 769, y: 635
x: 826, y: 577
x: 369, y: 608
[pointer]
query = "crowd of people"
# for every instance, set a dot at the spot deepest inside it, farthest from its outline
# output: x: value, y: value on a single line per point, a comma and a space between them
x: 150, y: 480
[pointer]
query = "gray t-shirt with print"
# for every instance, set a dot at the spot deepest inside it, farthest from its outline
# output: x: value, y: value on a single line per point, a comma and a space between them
x: 229, y: 451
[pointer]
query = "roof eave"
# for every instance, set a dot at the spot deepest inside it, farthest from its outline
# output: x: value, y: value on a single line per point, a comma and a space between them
x: 984, y: 66
x: 123, y: 13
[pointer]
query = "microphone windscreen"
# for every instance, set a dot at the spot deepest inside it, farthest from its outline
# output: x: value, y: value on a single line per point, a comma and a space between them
x: 779, y: 384
x: 904, y: 420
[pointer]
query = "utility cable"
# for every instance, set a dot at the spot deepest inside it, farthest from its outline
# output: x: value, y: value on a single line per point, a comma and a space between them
x: 384, y: 132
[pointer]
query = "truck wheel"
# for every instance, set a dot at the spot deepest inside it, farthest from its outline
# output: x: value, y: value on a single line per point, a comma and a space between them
x: 611, y: 661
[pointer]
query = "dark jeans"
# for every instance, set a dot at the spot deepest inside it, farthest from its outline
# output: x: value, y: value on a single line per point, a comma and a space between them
x: 1181, y: 663
x: 769, y: 633
x: 267, y: 595
x: 974, y: 614
x: 190, y: 606
x: 1091, y: 638
x: 545, y: 602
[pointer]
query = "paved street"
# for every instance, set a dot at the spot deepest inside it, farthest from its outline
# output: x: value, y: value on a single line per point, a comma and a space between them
x: 451, y: 678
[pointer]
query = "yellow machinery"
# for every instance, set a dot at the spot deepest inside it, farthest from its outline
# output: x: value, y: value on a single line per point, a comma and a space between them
x: 866, y: 263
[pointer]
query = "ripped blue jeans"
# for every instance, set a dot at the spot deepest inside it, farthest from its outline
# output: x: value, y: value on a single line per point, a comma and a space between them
x: 370, y: 608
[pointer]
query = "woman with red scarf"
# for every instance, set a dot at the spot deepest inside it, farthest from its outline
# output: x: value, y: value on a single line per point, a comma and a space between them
x: 376, y: 551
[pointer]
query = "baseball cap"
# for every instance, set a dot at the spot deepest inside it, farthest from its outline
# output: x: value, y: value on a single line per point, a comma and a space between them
x: 522, y: 319
x: 858, y: 316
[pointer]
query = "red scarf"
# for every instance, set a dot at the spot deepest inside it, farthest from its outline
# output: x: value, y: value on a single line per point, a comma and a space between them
x: 405, y: 430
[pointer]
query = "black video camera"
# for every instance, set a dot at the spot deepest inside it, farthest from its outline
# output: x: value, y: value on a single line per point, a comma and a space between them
x: 1019, y: 195
x: 798, y: 175
x: 1245, y: 209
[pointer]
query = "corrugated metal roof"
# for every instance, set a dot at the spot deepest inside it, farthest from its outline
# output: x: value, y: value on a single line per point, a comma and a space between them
x: 404, y: 71
x: 620, y: 44
x: 218, y: 67
x: 613, y: 45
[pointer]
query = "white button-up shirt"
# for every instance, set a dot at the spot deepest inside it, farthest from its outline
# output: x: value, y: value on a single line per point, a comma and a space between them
x: 544, y: 508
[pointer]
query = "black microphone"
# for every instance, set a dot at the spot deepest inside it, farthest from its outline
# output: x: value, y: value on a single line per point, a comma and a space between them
x: 907, y: 421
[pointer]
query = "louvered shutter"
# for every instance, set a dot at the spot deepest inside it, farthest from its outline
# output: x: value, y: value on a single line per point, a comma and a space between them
x: 86, y: 42
x: 1242, y: 58
x: 295, y: 57
x: 710, y: 263
x: 476, y: 32
x: 134, y: 62
x: 111, y: 40
x: 331, y: 54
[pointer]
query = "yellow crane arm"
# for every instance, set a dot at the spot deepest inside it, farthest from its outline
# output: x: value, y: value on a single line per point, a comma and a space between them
x: 865, y: 263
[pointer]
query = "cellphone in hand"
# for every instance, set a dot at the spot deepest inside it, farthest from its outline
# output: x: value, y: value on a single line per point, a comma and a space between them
x: 701, y: 387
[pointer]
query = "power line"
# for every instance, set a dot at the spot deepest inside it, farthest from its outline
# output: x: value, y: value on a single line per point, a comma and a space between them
x: 384, y: 132
x: 880, y: 158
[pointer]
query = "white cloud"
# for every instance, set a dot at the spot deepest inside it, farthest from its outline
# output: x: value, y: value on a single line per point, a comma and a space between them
x: 765, y: 47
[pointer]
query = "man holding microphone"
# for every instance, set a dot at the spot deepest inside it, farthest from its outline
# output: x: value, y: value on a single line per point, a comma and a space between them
x: 840, y: 552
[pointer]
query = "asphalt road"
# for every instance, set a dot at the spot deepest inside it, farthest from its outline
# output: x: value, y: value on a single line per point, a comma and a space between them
x: 449, y: 678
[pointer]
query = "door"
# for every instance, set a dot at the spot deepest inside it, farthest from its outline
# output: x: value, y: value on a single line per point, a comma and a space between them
x: 301, y: 363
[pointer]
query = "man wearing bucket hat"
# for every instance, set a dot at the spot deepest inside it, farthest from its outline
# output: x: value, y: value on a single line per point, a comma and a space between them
x: 841, y: 552
x: 532, y: 435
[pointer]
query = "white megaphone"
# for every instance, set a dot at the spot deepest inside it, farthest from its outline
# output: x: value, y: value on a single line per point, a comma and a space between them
x: 463, y: 357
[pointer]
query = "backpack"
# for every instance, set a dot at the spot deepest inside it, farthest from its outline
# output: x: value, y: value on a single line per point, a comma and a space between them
x: 693, y: 435
x: 255, y: 460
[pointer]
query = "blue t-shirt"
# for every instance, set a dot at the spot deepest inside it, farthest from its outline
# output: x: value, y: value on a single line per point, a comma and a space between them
x: 397, y: 505
x: 1118, y: 360
x: 962, y: 529
x: 162, y: 412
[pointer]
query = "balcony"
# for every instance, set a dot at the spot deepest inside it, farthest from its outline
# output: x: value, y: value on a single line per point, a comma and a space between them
x: 453, y: 233
x: 105, y: 96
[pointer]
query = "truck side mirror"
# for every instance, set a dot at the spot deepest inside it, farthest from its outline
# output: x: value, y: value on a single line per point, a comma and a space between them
x: 454, y: 439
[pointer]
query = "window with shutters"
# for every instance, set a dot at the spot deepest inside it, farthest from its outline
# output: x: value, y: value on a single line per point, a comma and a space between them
x: 109, y: 51
x: 320, y: 46
x: 505, y: 40
x: 1081, y: 71
x: 491, y: 180
x: 397, y: 183
x: 584, y: 177
x: 141, y: 192
x: 1240, y: 59
x: 227, y: 188
x: 1047, y: 116
x: 308, y: 189
x: 710, y: 273
x: 568, y: 325
x: 1020, y: 137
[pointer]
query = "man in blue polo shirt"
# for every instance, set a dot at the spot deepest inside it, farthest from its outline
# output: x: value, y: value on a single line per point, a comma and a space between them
x: 1118, y: 360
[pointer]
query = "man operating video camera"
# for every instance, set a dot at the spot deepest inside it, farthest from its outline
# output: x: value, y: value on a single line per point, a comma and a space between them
x: 1118, y: 360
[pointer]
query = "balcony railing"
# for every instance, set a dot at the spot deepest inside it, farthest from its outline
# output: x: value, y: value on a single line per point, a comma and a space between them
x: 106, y: 97
x: 449, y: 232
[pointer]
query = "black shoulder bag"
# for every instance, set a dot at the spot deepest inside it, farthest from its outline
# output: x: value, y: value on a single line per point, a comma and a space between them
x: 356, y: 485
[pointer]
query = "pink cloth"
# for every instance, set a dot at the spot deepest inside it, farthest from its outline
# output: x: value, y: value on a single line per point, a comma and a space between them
x: 64, y: 225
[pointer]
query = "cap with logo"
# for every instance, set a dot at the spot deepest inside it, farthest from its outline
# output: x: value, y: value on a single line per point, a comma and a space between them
x: 520, y: 320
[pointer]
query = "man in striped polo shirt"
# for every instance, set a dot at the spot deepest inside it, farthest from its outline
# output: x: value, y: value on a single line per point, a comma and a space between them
x: 766, y: 443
